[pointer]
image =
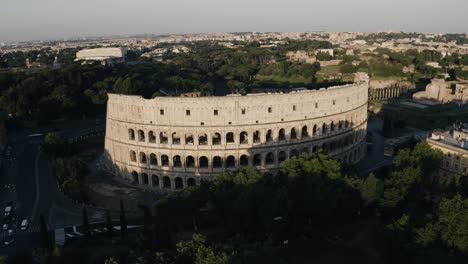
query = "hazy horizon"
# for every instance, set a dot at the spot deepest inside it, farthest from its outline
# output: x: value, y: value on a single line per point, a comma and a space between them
x: 23, y: 20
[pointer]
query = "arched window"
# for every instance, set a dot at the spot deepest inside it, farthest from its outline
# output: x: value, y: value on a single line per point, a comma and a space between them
x: 164, y: 160
x: 269, y: 158
x: 141, y: 135
x: 189, y: 162
x: 134, y: 177
x: 346, y: 124
x: 269, y: 136
x: 281, y: 156
x: 203, y: 139
x: 216, y: 139
x: 163, y: 138
x: 142, y: 158
x: 293, y: 134
x: 293, y: 153
x: 230, y: 162
x: 243, y: 138
x: 217, y: 162
x: 178, y: 183
x: 304, y: 133
x: 305, y: 150
x: 131, y: 134
x: 230, y: 137
x: 166, y: 182
x: 324, y: 129
x: 175, y: 139
x: 153, y: 159
x: 257, y: 160
x: 314, y: 149
x: 155, y: 180
x: 256, y: 137
x: 332, y: 126
x: 203, y: 162
x: 341, y: 125
x: 244, y: 160
x: 177, y: 161
x: 314, y: 130
x: 189, y: 139
x: 144, y: 179
x: 191, y: 182
x: 151, y: 137
x: 132, y: 156
x: 281, y: 135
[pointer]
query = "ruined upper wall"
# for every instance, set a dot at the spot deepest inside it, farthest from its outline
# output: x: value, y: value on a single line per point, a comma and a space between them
x: 239, y: 109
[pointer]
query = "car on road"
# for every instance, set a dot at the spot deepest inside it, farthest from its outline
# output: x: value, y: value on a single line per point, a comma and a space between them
x: 24, y: 224
x: 10, y: 239
x: 5, y: 226
x: 8, y: 209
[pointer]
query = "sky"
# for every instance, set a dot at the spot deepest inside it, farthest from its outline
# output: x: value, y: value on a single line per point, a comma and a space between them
x: 58, y: 19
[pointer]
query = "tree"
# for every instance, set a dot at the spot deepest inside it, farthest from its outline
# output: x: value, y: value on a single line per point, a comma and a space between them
x: 86, y: 226
x: 453, y: 222
x: 109, y: 226
x: 55, y: 145
x: 371, y: 189
x: 196, y: 251
x: 123, y: 221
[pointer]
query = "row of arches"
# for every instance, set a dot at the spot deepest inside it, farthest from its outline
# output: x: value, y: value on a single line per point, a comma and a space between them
x: 162, y: 182
x: 175, y: 183
x: 386, y: 93
x: 231, y: 161
x: 244, y: 137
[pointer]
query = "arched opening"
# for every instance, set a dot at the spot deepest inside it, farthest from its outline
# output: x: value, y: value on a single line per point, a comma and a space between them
x: 293, y: 134
x: 164, y: 160
x: 151, y: 137
x: 178, y: 183
x: 269, y: 136
x: 203, y: 162
x: 217, y: 162
x: 166, y: 182
x: 177, y: 161
x: 314, y: 130
x: 304, y: 133
x: 230, y: 162
x: 256, y: 137
x: 189, y: 162
x: 230, y: 137
x: 141, y: 135
x: 134, y: 177
x: 314, y: 149
x: 191, y: 182
x: 293, y: 153
x: 163, y: 138
x: 144, y: 178
x: 153, y: 159
x: 131, y: 134
x: 281, y: 135
x: 155, y: 180
x: 332, y: 127
x: 188, y: 139
x: 243, y: 138
x: 203, y: 139
x: 269, y: 158
x: 132, y: 156
x: 324, y: 129
x: 346, y: 124
x: 341, y: 125
x: 175, y: 139
x: 257, y: 160
x: 281, y: 156
x: 142, y: 158
x: 244, y: 160
x: 216, y: 139
x: 305, y: 150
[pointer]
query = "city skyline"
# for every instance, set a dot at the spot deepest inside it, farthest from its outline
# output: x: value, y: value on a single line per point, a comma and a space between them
x: 52, y: 19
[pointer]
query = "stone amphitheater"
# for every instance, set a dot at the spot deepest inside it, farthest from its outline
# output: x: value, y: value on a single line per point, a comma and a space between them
x: 170, y: 143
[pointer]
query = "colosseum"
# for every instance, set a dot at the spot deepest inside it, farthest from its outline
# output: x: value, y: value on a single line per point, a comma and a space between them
x: 172, y: 142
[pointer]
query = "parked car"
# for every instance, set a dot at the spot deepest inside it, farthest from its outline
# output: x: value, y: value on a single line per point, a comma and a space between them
x: 25, y: 224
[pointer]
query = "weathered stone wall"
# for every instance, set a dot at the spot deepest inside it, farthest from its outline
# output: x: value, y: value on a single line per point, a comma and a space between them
x: 173, y: 142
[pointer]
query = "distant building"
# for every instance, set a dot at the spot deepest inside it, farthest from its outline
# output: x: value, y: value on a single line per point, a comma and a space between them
x: 444, y: 92
x: 454, y: 145
x: 104, y: 55
x: 329, y: 51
